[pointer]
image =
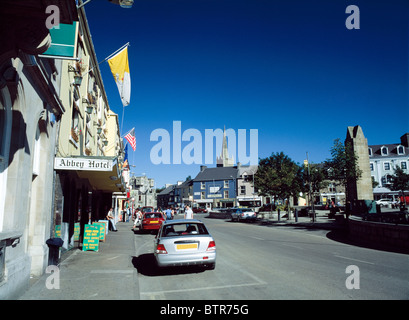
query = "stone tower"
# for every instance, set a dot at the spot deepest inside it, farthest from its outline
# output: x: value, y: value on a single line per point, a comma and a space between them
x: 225, y: 160
x: 361, y: 189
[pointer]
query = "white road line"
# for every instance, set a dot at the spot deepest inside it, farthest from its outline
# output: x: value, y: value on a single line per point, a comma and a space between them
x: 111, y: 271
x: 353, y: 259
x: 205, y: 288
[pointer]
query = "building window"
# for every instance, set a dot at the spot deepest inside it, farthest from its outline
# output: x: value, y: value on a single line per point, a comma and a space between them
x: 243, y: 190
x: 203, y: 195
x: 386, y: 166
x: 371, y: 166
x: 226, y: 194
x: 403, y: 165
x: 202, y: 185
x: 370, y: 151
x: 401, y: 150
x: 226, y: 183
x: 384, y: 151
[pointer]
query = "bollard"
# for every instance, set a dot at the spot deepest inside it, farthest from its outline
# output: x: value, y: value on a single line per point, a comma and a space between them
x: 296, y: 214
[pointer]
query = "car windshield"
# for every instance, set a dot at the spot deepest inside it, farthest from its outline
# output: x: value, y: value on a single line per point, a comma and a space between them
x: 153, y: 215
x: 183, y: 229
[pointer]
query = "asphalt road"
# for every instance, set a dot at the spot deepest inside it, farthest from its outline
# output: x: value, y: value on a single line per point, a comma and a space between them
x: 276, y: 262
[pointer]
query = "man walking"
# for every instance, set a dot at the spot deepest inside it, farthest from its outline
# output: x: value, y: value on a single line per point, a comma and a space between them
x: 188, y: 213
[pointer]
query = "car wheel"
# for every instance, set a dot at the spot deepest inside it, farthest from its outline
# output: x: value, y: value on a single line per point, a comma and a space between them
x: 211, y: 266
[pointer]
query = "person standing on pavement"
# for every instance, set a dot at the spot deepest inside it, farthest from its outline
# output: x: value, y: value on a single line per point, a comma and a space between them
x: 188, y: 213
x: 168, y: 213
x: 111, y: 220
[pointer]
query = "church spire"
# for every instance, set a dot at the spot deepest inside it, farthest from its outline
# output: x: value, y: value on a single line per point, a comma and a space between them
x: 224, y: 160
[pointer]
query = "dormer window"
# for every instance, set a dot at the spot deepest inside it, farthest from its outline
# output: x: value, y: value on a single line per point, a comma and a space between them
x: 384, y: 151
x: 401, y: 150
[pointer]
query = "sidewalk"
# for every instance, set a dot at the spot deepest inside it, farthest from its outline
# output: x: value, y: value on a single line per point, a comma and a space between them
x: 88, y: 275
x: 321, y: 221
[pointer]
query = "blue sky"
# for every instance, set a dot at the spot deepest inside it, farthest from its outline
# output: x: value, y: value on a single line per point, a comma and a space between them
x: 290, y: 69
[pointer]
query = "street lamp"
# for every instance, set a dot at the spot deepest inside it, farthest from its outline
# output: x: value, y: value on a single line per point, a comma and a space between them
x: 123, y: 3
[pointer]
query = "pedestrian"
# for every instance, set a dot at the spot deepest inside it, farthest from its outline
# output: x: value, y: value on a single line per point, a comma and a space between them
x: 111, y: 220
x: 168, y: 213
x: 138, y: 218
x: 188, y: 213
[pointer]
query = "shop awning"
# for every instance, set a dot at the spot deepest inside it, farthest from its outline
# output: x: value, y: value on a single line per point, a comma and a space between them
x: 103, y: 173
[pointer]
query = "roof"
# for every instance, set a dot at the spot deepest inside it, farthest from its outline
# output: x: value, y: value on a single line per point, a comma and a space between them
x: 392, y: 150
x: 167, y: 190
x: 249, y: 170
x: 218, y: 173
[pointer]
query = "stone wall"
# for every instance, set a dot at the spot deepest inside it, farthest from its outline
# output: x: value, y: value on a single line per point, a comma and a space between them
x: 378, y: 233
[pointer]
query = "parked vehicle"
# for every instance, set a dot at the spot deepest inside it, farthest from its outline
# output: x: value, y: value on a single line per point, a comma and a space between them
x: 147, y: 209
x: 199, y: 210
x: 152, y: 221
x: 184, y: 242
x: 239, y: 214
x: 384, y: 202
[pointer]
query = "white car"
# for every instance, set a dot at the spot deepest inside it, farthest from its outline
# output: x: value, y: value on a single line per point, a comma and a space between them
x: 184, y: 242
x: 384, y: 202
x: 247, y: 214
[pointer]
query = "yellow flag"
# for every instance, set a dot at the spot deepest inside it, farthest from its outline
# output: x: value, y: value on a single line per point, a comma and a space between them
x: 120, y: 70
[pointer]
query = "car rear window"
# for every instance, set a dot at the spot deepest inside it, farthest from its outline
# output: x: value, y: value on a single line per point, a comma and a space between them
x: 184, y: 229
x: 152, y: 215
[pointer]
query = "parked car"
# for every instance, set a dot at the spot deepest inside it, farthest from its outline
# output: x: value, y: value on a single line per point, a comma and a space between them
x: 184, y: 242
x: 238, y: 214
x: 147, y: 209
x: 199, y: 210
x: 152, y: 221
x: 384, y: 202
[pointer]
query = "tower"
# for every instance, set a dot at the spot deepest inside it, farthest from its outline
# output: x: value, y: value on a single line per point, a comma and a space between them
x: 224, y: 160
x: 362, y: 188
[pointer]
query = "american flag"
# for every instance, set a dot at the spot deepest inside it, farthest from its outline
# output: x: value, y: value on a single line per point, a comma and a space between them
x: 130, y: 136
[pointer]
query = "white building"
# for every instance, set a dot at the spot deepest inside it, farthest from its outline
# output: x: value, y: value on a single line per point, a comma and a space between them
x: 383, y: 159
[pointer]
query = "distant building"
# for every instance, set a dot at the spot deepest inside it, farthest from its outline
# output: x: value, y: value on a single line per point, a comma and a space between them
x: 143, y: 192
x: 383, y: 159
x: 166, y: 198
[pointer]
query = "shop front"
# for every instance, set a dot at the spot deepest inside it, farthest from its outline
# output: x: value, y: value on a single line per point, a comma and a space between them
x: 84, y: 188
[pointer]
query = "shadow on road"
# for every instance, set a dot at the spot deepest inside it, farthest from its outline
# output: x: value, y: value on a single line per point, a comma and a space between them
x: 146, y: 265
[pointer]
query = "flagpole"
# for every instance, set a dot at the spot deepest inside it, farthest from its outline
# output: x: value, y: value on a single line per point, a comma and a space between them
x: 111, y: 55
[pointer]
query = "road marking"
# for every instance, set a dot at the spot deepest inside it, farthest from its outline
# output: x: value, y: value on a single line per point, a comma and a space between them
x: 256, y: 238
x: 353, y: 259
x: 102, y: 271
x: 205, y: 288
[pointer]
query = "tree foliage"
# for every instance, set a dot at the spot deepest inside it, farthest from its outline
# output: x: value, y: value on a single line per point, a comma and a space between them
x: 278, y: 176
x: 400, y: 181
x: 343, y: 165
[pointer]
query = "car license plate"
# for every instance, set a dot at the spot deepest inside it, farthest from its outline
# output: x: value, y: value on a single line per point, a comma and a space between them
x: 154, y: 221
x: 186, y: 246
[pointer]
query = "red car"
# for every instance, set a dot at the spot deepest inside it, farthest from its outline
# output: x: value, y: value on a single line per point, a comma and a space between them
x: 152, y: 220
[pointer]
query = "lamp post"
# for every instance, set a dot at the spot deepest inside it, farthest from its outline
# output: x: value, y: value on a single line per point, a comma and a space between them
x: 123, y: 3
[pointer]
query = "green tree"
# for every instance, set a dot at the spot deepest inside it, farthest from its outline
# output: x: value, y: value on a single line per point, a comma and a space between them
x: 343, y: 165
x: 316, y: 176
x: 278, y: 176
x: 400, y: 181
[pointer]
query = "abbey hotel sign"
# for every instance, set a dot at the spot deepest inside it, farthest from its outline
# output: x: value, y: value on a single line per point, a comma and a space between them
x: 85, y: 164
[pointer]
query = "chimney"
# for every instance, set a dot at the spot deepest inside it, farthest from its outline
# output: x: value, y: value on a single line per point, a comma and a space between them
x: 202, y: 168
x: 404, y: 140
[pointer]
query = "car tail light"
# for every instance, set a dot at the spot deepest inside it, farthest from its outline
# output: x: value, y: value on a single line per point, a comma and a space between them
x: 160, y: 249
x: 211, y: 246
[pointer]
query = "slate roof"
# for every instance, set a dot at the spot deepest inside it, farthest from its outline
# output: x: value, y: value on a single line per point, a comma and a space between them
x: 217, y: 173
x: 392, y: 150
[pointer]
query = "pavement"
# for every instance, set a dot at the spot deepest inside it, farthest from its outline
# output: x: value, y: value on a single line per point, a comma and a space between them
x: 109, y: 274
x: 88, y: 275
